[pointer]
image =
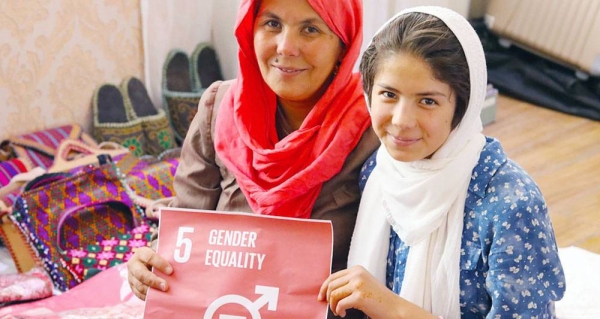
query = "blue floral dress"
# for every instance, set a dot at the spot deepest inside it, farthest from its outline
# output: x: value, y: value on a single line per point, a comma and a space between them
x: 509, y: 258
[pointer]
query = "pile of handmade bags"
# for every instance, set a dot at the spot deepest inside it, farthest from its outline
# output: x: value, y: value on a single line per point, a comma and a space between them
x: 73, y: 207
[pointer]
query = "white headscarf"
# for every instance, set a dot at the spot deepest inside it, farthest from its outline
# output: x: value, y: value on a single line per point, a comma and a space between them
x: 424, y: 200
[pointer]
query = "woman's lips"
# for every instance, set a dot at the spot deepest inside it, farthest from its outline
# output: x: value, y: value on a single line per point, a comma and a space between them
x: 288, y: 70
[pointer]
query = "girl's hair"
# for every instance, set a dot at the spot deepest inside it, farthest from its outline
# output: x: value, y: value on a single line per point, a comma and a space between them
x: 426, y: 37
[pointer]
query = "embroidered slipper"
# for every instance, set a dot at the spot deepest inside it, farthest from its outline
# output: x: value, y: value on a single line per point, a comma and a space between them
x: 205, y: 66
x: 155, y: 124
x: 180, y: 99
x: 113, y: 122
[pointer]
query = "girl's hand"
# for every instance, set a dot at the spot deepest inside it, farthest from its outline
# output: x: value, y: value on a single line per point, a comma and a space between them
x: 356, y: 288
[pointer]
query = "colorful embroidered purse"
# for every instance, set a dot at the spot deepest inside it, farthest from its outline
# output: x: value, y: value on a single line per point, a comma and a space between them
x: 153, y: 180
x: 87, y: 261
x: 78, y: 202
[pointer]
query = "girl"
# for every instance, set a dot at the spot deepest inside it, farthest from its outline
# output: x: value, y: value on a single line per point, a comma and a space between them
x: 448, y: 225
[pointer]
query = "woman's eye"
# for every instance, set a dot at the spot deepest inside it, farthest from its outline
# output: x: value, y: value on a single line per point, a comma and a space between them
x: 272, y: 24
x: 311, y: 30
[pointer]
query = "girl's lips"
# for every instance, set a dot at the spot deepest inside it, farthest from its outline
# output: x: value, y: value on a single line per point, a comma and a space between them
x: 403, y: 141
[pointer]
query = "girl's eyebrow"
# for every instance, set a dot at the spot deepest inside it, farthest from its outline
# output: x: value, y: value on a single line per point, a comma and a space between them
x: 432, y: 93
x: 386, y: 87
x: 426, y: 93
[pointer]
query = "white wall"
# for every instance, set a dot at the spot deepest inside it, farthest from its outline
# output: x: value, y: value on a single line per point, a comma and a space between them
x: 222, y: 36
x: 377, y: 12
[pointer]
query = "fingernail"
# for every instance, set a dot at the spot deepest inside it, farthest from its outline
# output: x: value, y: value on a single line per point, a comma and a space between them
x: 163, y: 286
x: 169, y: 270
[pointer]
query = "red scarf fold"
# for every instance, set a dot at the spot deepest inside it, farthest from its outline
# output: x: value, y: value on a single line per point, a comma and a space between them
x: 284, y: 178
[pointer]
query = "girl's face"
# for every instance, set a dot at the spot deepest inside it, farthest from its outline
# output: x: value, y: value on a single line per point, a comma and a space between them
x: 411, y: 111
x: 295, y: 49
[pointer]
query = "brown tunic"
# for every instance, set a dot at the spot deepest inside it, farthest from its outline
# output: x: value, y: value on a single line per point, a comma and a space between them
x: 203, y: 182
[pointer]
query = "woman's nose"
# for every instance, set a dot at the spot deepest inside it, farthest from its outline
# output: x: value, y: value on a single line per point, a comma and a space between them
x: 404, y: 114
x: 287, y: 44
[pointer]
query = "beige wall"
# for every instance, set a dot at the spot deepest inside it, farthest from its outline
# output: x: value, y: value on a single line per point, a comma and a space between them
x: 54, y: 53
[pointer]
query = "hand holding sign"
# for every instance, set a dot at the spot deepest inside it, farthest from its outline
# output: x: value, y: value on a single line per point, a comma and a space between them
x: 234, y: 265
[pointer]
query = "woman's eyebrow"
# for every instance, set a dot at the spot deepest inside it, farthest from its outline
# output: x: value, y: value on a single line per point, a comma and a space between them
x: 268, y: 14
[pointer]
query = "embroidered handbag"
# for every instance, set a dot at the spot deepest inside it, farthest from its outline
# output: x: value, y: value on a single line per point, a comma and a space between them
x: 150, y: 177
x: 11, y: 168
x: 153, y: 180
x: 46, y: 200
x: 39, y: 148
x: 15, y: 241
x: 87, y: 261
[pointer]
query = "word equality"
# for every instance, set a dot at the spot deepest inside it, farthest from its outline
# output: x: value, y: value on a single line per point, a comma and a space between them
x: 231, y: 258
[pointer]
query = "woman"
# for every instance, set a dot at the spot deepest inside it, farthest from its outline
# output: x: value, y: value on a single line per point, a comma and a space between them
x: 289, y: 135
x: 448, y: 225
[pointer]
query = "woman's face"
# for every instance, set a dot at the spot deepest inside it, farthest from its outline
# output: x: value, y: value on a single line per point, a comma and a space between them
x: 411, y: 111
x: 296, y: 51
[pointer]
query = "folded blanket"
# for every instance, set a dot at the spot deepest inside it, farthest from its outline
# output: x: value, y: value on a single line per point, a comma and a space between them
x: 32, y: 285
x: 583, y: 284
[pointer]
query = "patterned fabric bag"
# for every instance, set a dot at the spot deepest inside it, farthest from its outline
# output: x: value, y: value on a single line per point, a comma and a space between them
x: 15, y: 241
x: 150, y: 177
x: 153, y: 180
x: 10, y: 168
x: 78, y: 203
x: 39, y: 148
x: 8, y: 188
x: 87, y: 261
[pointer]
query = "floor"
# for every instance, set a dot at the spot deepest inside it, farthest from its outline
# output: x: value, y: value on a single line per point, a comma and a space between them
x: 562, y: 154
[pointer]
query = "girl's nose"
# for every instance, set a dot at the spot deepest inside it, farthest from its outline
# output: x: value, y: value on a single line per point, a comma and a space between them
x: 404, y: 114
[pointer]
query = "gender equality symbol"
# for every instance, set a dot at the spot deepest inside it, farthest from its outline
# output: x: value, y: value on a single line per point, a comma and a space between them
x: 269, y: 297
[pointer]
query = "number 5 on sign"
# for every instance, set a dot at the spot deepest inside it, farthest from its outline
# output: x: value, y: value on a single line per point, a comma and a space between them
x: 182, y: 256
x: 236, y: 265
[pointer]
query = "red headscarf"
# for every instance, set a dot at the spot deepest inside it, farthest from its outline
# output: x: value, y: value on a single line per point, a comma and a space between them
x: 284, y: 178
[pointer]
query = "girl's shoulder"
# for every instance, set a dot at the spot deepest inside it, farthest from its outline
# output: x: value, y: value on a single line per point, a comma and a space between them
x: 367, y: 169
x: 496, y: 177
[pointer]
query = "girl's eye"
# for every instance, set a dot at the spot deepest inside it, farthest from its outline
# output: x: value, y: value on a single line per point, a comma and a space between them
x: 428, y: 102
x: 388, y: 95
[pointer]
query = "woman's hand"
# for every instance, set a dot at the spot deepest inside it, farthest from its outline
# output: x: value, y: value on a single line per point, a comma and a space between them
x: 356, y: 288
x: 140, y: 276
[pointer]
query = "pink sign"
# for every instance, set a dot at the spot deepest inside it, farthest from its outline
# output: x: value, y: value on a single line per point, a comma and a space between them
x: 238, y: 266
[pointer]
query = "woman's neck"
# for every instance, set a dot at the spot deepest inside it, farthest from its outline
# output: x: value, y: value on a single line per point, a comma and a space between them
x: 293, y: 113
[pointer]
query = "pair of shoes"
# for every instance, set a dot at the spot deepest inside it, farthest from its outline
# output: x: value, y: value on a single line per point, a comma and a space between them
x: 127, y: 116
x: 184, y: 80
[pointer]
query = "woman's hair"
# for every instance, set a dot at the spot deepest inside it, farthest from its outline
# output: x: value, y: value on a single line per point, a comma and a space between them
x: 426, y: 37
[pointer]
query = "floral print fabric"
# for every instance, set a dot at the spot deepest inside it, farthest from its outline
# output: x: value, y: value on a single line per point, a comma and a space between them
x: 509, y: 261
